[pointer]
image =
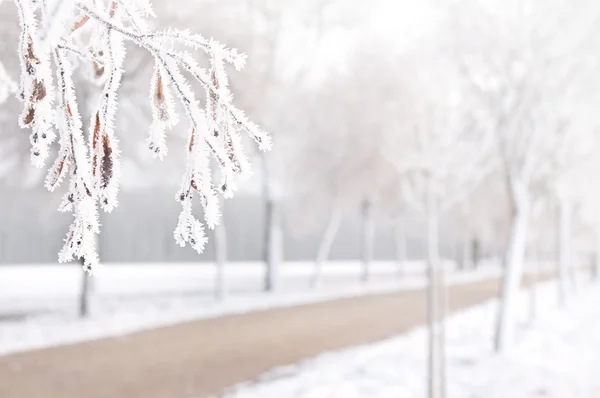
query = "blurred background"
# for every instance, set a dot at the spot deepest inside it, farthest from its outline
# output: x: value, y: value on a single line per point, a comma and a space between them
x: 460, y: 130
x: 359, y: 99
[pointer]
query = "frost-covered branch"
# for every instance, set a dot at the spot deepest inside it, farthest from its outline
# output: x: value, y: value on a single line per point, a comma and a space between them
x: 7, y: 85
x: 94, y: 32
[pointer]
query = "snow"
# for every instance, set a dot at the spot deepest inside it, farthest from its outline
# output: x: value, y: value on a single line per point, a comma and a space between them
x: 38, y: 303
x: 555, y: 356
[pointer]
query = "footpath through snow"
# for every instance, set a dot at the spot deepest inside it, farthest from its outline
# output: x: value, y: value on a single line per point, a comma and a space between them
x: 557, y: 356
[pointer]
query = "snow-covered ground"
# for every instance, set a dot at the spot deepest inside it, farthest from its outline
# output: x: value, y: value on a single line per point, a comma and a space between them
x: 38, y: 304
x: 557, y: 355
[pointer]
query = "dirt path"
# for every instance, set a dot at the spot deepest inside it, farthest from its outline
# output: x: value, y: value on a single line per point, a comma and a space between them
x: 202, y: 358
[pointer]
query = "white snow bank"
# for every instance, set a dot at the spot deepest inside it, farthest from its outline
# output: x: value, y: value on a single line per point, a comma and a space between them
x: 135, y: 279
x: 557, y: 355
x: 38, y: 304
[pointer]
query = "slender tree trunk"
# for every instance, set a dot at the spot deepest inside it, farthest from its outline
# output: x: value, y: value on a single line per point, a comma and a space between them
x: 442, y: 286
x: 512, y: 273
x: 432, y: 367
x: 475, y: 248
x: 220, y: 247
x: 564, y: 233
x: 434, y: 315
x: 324, y: 251
x: 86, y: 280
x: 533, y: 276
x: 273, y: 244
x: 597, y: 257
x: 367, y: 241
x: 84, y: 292
x: 573, y: 272
x: 273, y: 240
x: 400, y: 238
x: 467, y: 254
x: 87, y: 285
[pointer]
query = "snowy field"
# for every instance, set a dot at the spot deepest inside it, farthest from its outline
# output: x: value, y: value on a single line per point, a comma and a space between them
x: 557, y: 356
x: 38, y: 304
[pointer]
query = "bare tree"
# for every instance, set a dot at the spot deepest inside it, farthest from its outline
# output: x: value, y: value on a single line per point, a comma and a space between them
x: 442, y: 157
x: 518, y: 63
x: 340, y: 166
x: 262, y: 26
x: 570, y: 176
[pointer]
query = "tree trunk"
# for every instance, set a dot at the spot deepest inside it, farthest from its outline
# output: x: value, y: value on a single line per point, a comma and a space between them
x: 432, y: 330
x: 467, y: 254
x: 273, y: 239
x: 475, y: 251
x: 368, y: 236
x: 434, y: 315
x: 564, y: 236
x: 220, y: 247
x: 400, y: 238
x: 512, y: 273
x: 273, y: 244
x: 84, y: 292
x: 443, y: 310
x: 325, y: 247
x: 86, y: 280
x: 533, y: 276
x: 86, y: 285
x: 597, y: 257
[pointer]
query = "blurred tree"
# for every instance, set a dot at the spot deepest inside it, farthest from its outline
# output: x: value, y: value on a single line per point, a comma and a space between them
x: 518, y: 62
x: 443, y: 156
x: 286, y: 42
x: 341, y: 165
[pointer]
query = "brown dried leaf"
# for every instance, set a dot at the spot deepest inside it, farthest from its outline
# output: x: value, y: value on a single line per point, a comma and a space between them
x: 160, y: 98
x: 113, y: 8
x: 58, y: 172
x: 30, y: 54
x: 106, y: 167
x: 99, y: 71
x: 159, y: 94
x: 29, y: 116
x: 39, y: 91
x: 96, y: 130
x: 80, y: 23
x: 192, y: 138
